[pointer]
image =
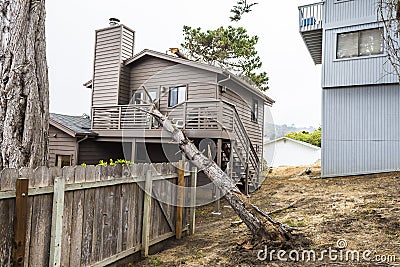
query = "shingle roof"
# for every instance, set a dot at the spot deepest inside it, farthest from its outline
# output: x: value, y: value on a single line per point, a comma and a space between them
x: 78, y: 125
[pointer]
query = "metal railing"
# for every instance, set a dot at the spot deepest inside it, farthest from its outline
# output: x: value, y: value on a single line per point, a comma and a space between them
x: 311, y: 17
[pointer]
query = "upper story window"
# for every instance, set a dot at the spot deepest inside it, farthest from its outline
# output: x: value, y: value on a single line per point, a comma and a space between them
x: 360, y: 43
x: 254, y: 111
x: 176, y: 95
x: 140, y: 96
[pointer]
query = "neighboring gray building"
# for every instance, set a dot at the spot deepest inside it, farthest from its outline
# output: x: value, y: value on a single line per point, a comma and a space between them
x: 360, y: 95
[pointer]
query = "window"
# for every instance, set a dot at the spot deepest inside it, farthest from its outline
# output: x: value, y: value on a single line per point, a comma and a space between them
x: 140, y: 96
x: 254, y: 111
x: 360, y: 43
x: 176, y: 96
x: 63, y: 160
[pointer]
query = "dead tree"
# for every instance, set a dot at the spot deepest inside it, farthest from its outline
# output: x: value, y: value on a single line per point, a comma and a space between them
x: 24, y: 89
x: 259, y: 222
x: 389, y: 14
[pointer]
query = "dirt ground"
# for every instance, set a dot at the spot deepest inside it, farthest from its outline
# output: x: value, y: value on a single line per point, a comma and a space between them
x: 358, y: 214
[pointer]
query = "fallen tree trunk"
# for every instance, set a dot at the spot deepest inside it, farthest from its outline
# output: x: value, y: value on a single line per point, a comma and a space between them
x: 261, y: 228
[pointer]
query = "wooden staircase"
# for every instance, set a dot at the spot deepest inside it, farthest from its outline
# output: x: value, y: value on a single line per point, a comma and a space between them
x: 240, y: 159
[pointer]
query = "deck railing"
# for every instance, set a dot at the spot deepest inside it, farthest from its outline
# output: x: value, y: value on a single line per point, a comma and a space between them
x: 121, y: 117
x: 196, y: 115
x: 311, y: 17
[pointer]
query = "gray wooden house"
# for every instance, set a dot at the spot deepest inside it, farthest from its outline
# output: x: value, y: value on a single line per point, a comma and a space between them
x: 360, y: 95
x: 220, y: 112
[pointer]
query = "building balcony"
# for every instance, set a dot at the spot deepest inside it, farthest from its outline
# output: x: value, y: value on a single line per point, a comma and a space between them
x: 311, y: 29
x: 195, y: 117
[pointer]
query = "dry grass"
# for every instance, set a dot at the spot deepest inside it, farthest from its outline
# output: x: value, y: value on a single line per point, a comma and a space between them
x: 362, y: 210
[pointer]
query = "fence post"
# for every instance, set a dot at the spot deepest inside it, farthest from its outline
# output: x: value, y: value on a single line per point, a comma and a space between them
x: 192, y: 212
x: 57, y: 222
x: 21, y: 205
x: 146, y: 214
x: 179, y: 199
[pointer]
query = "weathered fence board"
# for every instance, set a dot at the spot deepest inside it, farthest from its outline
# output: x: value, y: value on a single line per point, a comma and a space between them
x: 100, y: 219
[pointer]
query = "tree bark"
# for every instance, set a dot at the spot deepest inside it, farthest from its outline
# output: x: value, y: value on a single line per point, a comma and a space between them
x: 24, y: 88
x: 261, y: 228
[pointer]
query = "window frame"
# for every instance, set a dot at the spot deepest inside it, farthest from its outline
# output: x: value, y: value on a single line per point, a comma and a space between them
x: 59, y: 159
x: 336, y: 58
x: 143, y: 96
x: 254, y: 110
x: 177, y: 95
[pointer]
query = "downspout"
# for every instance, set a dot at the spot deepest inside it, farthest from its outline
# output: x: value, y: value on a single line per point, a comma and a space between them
x: 77, y: 148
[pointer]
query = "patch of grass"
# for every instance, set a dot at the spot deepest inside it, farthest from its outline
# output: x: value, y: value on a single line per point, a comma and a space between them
x: 154, y: 261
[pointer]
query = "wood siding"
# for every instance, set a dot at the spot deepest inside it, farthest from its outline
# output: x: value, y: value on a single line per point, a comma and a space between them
x: 110, y: 79
x: 159, y: 74
x: 243, y: 104
x: 91, y: 152
x: 361, y: 130
x: 127, y: 48
x: 61, y: 143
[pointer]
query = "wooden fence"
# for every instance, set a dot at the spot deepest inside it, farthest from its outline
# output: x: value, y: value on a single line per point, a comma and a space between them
x: 93, y: 215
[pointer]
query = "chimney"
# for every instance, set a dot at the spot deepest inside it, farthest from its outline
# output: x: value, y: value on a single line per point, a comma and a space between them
x: 114, y: 22
x: 178, y: 53
x: 113, y: 45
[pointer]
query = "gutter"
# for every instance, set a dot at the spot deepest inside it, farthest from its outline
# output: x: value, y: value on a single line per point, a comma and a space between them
x: 239, y: 81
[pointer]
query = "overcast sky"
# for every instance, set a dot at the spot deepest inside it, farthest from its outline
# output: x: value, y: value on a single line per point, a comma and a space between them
x: 294, y: 79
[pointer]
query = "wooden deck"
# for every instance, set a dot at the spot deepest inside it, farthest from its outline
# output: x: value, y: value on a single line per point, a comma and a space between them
x: 193, y: 116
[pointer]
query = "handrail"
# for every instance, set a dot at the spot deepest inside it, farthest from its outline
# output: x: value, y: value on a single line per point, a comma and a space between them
x: 252, y: 156
x: 243, y: 128
x: 313, y: 4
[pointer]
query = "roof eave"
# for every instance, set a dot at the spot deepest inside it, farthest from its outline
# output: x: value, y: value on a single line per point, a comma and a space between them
x: 269, y: 101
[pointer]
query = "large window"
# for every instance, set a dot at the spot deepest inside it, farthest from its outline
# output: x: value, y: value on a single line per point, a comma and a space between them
x: 360, y: 43
x: 177, y: 95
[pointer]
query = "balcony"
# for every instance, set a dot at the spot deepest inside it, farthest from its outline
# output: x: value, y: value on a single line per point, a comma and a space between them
x: 311, y: 29
x: 193, y: 116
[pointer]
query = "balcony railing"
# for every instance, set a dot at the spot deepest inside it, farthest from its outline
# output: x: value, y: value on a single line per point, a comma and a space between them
x: 196, y: 115
x: 121, y: 117
x: 311, y: 17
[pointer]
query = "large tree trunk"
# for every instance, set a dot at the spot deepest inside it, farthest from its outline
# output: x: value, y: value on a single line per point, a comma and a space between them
x: 258, y: 222
x: 24, y: 88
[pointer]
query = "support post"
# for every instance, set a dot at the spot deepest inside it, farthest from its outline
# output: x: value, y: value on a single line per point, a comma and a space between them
x: 217, y: 192
x: 56, y: 222
x: 146, y: 214
x: 192, y: 212
x: 179, y: 206
x: 21, y: 206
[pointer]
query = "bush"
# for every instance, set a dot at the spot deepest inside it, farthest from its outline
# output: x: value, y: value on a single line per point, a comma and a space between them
x: 311, y: 138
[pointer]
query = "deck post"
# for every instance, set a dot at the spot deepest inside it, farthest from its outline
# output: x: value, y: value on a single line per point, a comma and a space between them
x: 192, y: 211
x: 179, y: 204
x: 219, y: 162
